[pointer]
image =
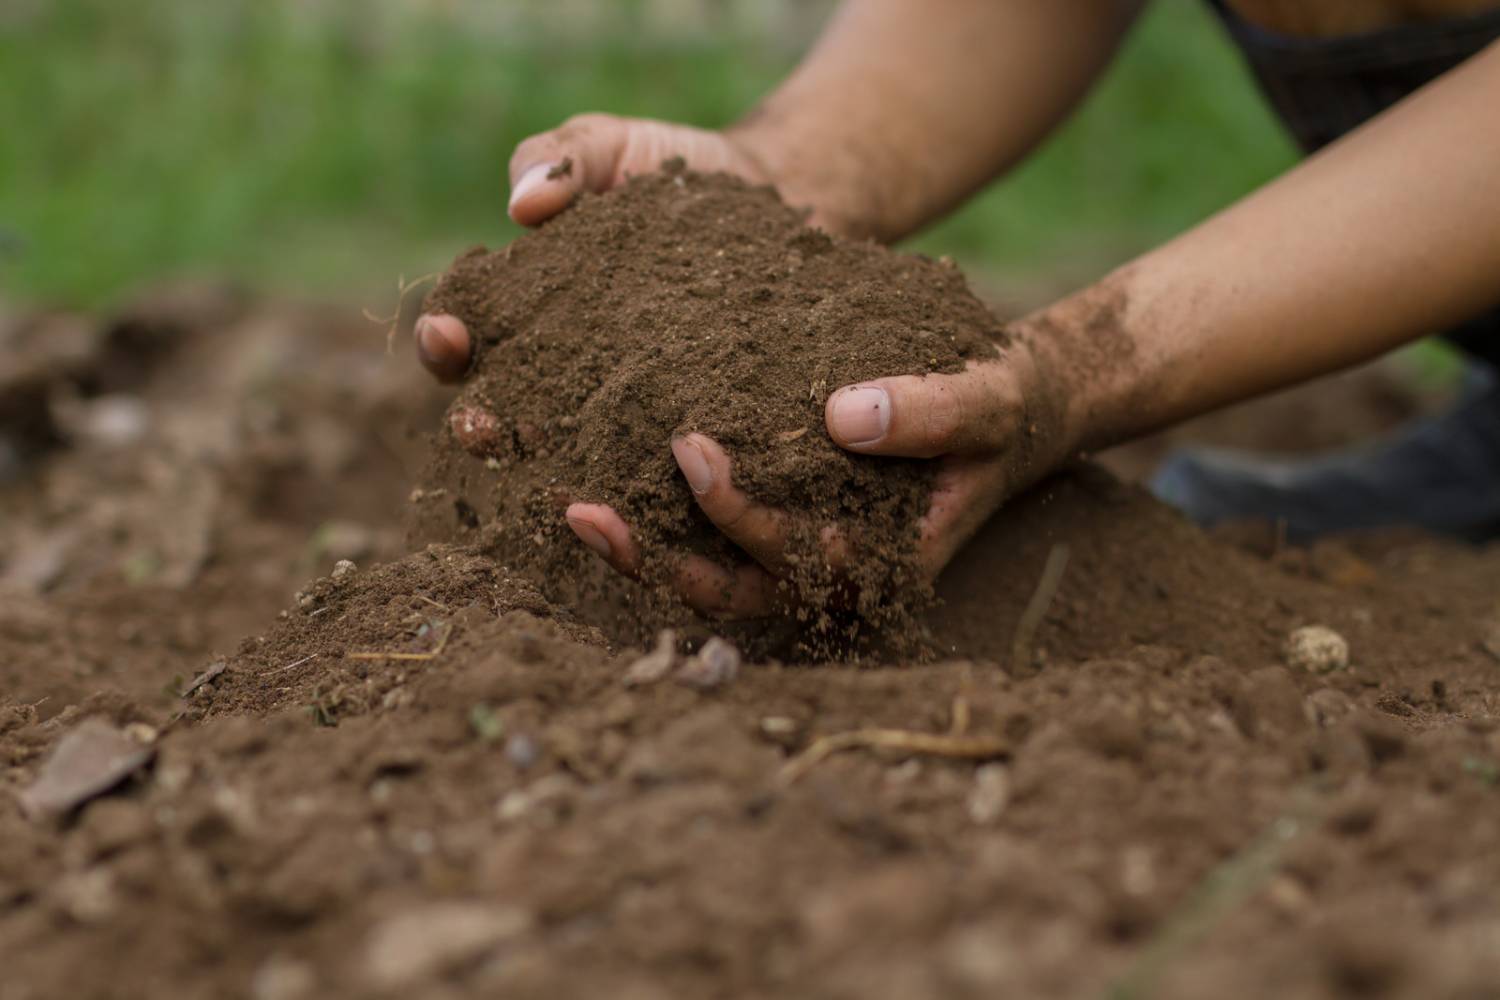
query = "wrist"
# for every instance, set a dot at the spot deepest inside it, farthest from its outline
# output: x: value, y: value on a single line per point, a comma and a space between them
x: 1048, y: 428
x: 1087, y: 388
x: 806, y: 173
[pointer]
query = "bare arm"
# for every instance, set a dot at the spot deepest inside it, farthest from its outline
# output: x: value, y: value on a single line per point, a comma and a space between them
x: 904, y: 109
x: 1388, y: 235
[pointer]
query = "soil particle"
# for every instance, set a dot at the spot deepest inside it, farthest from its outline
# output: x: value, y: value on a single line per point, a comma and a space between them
x: 681, y: 303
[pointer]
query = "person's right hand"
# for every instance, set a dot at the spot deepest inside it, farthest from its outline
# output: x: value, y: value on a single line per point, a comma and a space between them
x: 591, y: 152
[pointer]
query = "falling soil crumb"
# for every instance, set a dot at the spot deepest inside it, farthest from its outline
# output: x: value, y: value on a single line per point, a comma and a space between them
x: 679, y: 303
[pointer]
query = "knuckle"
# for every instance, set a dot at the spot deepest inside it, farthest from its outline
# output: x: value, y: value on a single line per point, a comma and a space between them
x: 529, y: 150
x: 579, y: 125
x: 944, y: 417
x: 726, y: 508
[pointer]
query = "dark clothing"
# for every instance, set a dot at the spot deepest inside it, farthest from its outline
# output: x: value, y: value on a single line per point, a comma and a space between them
x: 1325, y: 87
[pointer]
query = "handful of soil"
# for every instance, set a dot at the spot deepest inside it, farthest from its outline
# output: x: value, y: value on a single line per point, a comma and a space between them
x: 683, y: 302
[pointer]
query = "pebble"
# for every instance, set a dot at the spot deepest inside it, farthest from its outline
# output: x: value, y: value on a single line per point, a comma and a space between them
x: 780, y: 729
x: 715, y: 665
x: 143, y: 733
x: 426, y: 941
x: 114, y: 421
x: 282, y: 978
x: 1317, y: 649
x: 990, y: 795
x: 522, y: 751
x: 555, y: 792
x: 88, y: 896
x: 343, y: 568
x: 656, y: 664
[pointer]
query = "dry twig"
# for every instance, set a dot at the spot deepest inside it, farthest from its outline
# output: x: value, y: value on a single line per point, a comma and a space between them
x: 951, y: 744
x: 394, y: 319
x: 1036, y: 608
x: 430, y: 654
x: 289, y: 666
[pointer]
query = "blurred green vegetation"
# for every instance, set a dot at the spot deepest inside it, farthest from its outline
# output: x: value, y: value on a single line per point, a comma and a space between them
x: 322, y: 146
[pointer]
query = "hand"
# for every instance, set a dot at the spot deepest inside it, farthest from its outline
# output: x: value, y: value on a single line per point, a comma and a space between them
x: 587, y: 153
x: 978, y: 424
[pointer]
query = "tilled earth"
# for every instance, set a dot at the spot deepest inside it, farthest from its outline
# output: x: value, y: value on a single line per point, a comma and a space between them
x: 413, y: 775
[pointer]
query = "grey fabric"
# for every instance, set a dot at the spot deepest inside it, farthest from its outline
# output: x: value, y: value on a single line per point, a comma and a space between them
x: 1442, y: 473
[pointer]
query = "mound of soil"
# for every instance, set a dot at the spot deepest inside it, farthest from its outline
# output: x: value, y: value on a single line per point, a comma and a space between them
x: 683, y: 302
x: 427, y: 778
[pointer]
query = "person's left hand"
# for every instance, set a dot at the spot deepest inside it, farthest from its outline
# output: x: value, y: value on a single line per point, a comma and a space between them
x: 974, y: 423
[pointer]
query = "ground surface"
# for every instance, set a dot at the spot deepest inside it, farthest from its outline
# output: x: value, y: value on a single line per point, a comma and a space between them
x: 1164, y: 808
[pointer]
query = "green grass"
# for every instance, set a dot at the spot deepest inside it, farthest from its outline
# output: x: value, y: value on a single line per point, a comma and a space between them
x: 318, y: 147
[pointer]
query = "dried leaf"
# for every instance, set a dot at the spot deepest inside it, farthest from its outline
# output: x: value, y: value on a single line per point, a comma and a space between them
x: 89, y: 761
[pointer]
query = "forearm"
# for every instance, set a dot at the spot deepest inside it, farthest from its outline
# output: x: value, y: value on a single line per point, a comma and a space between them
x: 1388, y: 235
x: 903, y: 109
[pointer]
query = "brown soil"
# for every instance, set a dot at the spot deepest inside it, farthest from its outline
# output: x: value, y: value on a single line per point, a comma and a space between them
x: 679, y: 303
x: 425, y: 777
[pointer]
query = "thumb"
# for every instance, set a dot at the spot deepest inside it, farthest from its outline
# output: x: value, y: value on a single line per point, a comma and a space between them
x: 549, y: 170
x: 924, y: 416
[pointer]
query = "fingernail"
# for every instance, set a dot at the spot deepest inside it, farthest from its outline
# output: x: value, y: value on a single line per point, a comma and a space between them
x: 694, y: 465
x: 424, y: 333
x: 533, y: 178
x: 860, y: 414
x: 590, y: 536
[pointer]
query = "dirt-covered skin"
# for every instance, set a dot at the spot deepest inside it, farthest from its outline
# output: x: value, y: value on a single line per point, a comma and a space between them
x: 425, y: 778
x: 682, y: 302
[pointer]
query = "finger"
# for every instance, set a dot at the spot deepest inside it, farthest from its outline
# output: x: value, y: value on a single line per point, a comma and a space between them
x: 746, y: 592
x: 924, y: 416
x: 548, y: 171
x: 443, y: 346
x: 761, y: 531
x: 604, y: 531
x: 964, y: 495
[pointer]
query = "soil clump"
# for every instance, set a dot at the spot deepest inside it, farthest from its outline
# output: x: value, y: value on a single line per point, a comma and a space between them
x: 684, y: 302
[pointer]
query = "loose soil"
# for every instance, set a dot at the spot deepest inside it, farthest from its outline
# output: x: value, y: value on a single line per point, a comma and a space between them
x: 424, y: 775
x: 679, y: 303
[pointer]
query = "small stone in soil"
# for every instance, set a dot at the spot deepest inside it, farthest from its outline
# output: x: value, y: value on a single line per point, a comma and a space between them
x: 715, y: 665
x: 656, y: 664
x: 1317, y: 649
x: 521, y: 750
x: 430, y: 940
x: 990, y: 795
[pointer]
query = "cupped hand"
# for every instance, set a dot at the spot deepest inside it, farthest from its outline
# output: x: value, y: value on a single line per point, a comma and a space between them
x: 591, y: 152
x: 977, y: 424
